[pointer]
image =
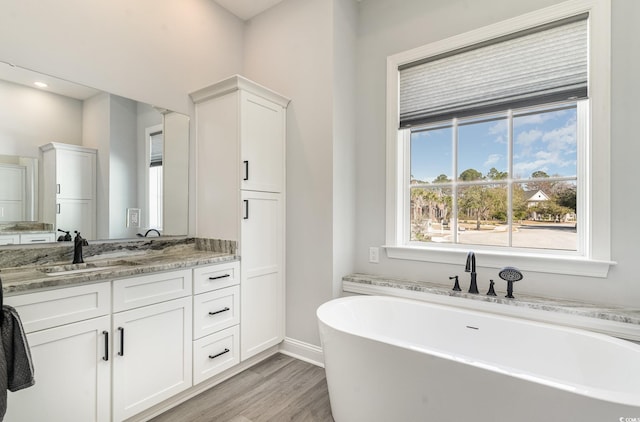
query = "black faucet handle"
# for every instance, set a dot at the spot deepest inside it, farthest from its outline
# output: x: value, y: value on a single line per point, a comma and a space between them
x: 456, y: 285
x: 491, y: 291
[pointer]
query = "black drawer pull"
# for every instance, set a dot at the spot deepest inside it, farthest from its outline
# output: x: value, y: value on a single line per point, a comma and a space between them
x: 220, y: 311
x: 121, y: 352
x: 219, y: 277
x: 246, y: 209
x: 106, y: 345
x: 246, y: 170
x: 219, y: 354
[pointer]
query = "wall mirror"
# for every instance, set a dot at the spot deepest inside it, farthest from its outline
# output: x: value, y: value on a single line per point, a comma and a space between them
x: 142, y: 154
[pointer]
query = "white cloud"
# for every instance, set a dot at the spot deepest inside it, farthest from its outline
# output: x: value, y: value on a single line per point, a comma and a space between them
x: 492, y: 159
x: 529, y: 137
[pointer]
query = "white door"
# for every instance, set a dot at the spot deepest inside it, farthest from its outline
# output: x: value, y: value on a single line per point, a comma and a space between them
x: 72, y: 376
x: 262, y: 144
x: 262, y: 285
x: 151, y: 355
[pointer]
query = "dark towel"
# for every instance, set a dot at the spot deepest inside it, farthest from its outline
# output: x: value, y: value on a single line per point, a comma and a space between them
x: 16, y: 366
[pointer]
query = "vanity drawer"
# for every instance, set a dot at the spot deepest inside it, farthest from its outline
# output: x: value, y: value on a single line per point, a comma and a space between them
x: 214, y: 311
x: 51, y: 308
x: 215, y: 353
x: 37, y: 238
x: 129, y: 293
x: 214, y: 277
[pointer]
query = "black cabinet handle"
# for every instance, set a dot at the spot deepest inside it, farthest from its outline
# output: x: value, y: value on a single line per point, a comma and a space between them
x: 219, y: 277
x: 246, y: 170
x: 219, y: 354
x: 246, y: 209
x: 106, y: 345
x: 220, y: 311
x: 121, y: 352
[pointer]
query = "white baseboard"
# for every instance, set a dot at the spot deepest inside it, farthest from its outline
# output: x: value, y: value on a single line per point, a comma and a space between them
x: 304, y: 351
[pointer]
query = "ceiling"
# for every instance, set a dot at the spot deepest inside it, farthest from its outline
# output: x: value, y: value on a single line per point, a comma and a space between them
x: 246, y: 9
x: 18, y: 75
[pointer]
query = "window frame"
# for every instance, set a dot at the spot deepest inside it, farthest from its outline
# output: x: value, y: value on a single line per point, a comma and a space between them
x: 593, y: 256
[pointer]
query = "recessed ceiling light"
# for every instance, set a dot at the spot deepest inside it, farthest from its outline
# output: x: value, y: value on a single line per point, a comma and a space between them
x: 40, y: 84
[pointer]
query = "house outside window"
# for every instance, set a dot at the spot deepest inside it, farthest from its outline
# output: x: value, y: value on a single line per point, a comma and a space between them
x: 498, y: 141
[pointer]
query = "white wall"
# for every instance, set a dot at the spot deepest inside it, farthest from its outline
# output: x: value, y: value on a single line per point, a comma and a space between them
x: 290, y: 49
x: 123, y: 165
x: 30, y: 117
x: 345, y: 24
x: 151, y: 51
x: 387, y: 29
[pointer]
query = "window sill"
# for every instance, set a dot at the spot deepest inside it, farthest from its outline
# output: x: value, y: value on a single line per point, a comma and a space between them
x: 541, y: 263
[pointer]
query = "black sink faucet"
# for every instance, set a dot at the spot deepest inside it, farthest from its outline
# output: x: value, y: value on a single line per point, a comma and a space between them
x: 147, y: 233
x: 78, y: 243
x: 471, y: 267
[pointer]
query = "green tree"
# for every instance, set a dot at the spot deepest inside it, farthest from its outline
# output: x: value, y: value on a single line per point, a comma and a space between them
x: 441, y: 179
x: 478, y: 201
x: 537, y: 182
x: 565, y: 195
x: 470, y: 175
x: 495, y: 174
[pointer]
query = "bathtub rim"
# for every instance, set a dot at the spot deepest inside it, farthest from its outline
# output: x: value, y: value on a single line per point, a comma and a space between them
x: 612, y: 396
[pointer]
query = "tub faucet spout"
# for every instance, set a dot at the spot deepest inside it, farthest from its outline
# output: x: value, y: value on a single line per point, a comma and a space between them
x: 470, y: 267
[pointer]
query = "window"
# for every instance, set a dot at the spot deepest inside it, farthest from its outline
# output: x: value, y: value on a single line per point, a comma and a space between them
x: 155, y: 176
x: 507, y: 179
x: 499, y: 142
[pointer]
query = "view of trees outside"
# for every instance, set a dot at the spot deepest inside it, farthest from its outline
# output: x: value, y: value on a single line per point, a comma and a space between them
x: 535, y: 208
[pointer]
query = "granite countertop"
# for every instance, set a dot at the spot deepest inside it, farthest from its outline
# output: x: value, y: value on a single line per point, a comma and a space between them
x: 25, y: 227
x: 622, y: 315
x: 110, y: 263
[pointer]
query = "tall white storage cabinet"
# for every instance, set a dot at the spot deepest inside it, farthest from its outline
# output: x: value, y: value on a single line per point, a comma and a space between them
x: 69, y: 188
x: 240, y: 131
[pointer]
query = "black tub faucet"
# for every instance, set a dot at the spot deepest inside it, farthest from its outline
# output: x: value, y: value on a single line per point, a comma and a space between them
x: 470, y: 267
x: 78, y: 243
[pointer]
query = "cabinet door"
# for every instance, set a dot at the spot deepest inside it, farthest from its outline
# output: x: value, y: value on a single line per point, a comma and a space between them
x: 9, y: 239
x: 72, y: 378
x: 76, y: 214
x: 75, y: 174
x: 262, y: 144
x: 152, y: 355
x: 261, y: 271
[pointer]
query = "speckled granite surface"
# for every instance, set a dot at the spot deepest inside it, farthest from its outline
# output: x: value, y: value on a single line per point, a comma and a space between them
x: 25, y: 227
x: 624, y: 315
x: 37, y: 267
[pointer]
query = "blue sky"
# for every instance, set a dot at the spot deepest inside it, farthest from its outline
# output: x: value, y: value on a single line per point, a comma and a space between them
x: 542, y: 142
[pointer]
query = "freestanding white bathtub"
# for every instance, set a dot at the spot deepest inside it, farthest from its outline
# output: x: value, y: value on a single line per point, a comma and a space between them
x: 390, y: 359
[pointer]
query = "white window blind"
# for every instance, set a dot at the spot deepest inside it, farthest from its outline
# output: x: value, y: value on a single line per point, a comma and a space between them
x: 540, y: 65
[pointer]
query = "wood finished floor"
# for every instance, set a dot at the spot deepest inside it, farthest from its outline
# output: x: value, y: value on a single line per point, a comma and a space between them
x: 278, y: 389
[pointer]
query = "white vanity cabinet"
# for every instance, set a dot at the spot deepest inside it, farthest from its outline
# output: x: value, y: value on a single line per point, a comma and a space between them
x: 240, y: 132
x: 69, y: 187
x: 152, y: 328
x: 15, y: 239
x: 262, y: 286
x: 9, y: 239
x: 67, y: 330
x: 216, y: 319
